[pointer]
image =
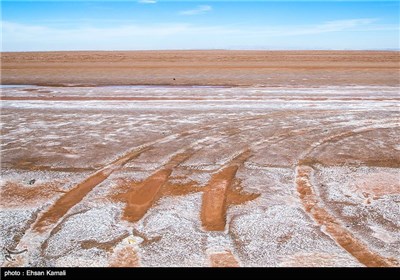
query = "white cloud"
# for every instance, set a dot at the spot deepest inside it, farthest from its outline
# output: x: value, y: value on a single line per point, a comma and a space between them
x: 337, y: 25
x: 22, y: 30
x: 147, y: 1
x: 362, y: 24
x: 197, y: 11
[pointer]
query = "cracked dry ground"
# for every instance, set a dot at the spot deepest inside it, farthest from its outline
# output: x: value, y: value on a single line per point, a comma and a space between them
x: 142, y: 176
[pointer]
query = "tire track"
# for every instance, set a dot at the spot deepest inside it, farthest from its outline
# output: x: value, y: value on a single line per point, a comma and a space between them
x: 282, y: 136
x: 49, y: 220
x: 385, y: 123
x: 141, y: 197
x: 343, y: 237
x: 332, y: 226
x: 218, y: 195
x: 74, y: 196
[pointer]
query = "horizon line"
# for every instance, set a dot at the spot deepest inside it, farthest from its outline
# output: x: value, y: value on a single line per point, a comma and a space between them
x: 217, y: 49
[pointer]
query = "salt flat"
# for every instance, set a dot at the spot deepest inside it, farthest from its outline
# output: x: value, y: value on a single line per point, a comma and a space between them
x: 304, y: 175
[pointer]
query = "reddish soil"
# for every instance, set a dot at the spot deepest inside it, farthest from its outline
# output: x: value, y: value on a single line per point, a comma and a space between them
x: 125, y: 257
x: 224, y: 259
x: 13, y: 193
x: 234, y: 68
x: 219, y: 195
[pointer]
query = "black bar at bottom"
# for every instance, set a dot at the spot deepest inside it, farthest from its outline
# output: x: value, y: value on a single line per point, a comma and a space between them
x: 130, y: 273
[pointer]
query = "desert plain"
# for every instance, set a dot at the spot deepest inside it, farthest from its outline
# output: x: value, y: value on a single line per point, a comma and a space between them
x: 200, y: 158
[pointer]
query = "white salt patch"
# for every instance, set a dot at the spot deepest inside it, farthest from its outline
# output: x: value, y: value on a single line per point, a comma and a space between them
x: 176, y: 221
x: 384, y: 235
x: 13, y: 223
x: 277, y: 232
x: 87, y: 258
x: 218, y: 242
x: 97, y: 224
x: 318, y: 259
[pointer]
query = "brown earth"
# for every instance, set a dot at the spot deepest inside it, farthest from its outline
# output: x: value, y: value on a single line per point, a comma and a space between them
x: 223, y: 259
x: 12, y: 194
x: 226, y: 68
x: 125, y: 257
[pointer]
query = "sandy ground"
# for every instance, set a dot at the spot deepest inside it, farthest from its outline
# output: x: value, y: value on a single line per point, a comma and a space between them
x: 295, y: 175
x: 232, y: 68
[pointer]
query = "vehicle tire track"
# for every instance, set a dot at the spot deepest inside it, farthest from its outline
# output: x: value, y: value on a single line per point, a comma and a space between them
x: 216, y: 198
x: 141, y: 197
x: 74, y: 196
x: 282, y: 136
x: 382, y: 124
x: 332, y: 226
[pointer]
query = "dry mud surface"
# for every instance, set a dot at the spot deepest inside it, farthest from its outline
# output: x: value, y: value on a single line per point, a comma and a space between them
x: 287, y: 159
x: 200, y: 176
x: 220, y: 67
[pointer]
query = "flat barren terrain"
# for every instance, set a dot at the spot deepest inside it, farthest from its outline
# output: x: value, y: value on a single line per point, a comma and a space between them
x: 226, y: 68
x: 245, y: 159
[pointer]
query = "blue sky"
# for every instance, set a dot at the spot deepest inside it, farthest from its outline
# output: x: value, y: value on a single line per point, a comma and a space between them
x: 150, y: 24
